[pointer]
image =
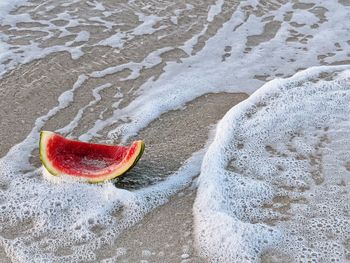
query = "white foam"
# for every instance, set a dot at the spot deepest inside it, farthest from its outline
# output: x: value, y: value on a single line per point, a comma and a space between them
x: 273, y: 181
x: 238, y: 58
x: 7, y: 6
x: 116, y: 41
x: 241, y: 71
x: 65, y: 215
x: 39, y: 219
x: 145, y: 28
x: 147, y: 25
x: 16, y: 153
x: 74, y: 123
x: 97, y: 5
x: 215, y: 10
x: 149, y: 61
x: 14, y: 54
x: 63, y: 178
x: 314, y: 36
x: 82, y: 36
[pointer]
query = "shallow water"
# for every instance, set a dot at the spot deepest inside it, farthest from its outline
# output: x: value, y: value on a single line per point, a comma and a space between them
x: 104, y: 71
x: 276, y: 174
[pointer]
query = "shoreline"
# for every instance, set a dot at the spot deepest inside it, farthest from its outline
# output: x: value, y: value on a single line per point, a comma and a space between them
x: 167, y: 72
x: 164, y: 154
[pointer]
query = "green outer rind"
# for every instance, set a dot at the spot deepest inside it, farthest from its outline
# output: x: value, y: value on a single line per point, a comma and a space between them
x: 119, y: 175
x: 92, y: 181
x: 137, y: 158
x: 41, y: 154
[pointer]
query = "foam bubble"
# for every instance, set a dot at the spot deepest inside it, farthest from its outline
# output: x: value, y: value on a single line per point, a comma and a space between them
x: 253, y: 55
x: 60, y: 219
x: 255, y: 44
x: 273, y: 182
x: 7, y: 6
x: 215, y: 10
x: 66, y: 220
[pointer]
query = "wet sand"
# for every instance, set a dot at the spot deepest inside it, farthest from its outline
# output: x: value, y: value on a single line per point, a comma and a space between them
x: 165, y: 234
x: 30, y: 90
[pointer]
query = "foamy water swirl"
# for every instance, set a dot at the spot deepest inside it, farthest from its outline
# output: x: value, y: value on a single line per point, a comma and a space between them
x: 274, y: 183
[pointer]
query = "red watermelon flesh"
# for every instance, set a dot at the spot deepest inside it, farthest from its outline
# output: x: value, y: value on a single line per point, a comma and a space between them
x: 90, y: 161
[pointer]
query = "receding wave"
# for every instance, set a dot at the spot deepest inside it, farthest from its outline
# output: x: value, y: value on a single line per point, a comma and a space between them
x: 274, y: 183
x: 104, y: 70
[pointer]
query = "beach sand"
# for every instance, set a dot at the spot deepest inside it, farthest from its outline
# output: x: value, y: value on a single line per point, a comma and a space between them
x: 156, y: 35
x: 32, y: 89
x: 165, y: 234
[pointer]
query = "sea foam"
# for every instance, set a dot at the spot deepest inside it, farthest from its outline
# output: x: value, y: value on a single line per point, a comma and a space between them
x: 240, y: 176
x: 60, y: 220
x: 273, y: 183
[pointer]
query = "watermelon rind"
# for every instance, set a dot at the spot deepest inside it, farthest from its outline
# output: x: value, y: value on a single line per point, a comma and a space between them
x: 123, y: 167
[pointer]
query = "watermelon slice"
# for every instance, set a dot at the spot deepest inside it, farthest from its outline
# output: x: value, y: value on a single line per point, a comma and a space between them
x: 88, y: 161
